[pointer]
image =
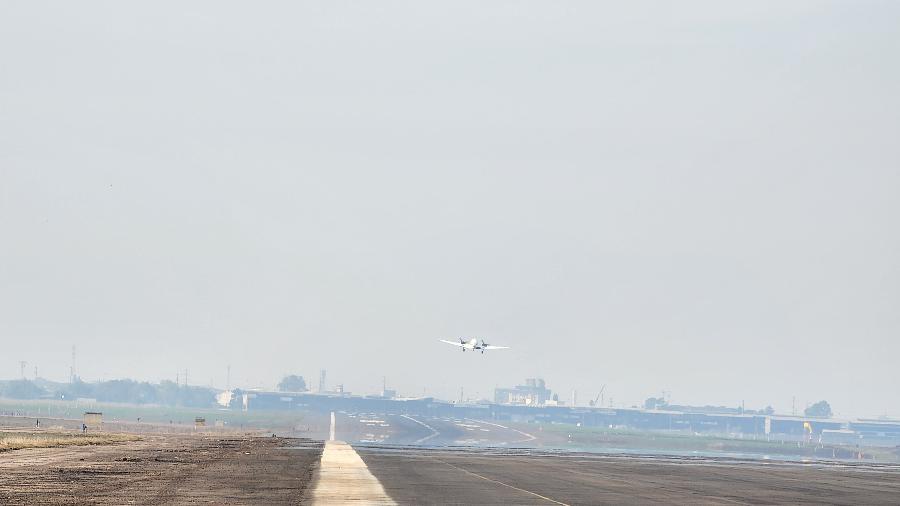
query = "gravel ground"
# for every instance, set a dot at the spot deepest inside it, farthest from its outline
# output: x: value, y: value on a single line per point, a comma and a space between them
x: 171, y: 469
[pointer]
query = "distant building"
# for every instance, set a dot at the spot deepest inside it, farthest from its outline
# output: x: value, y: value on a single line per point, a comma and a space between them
x: 224, y: 398
x: 93, y: 419
x: 533, y: 393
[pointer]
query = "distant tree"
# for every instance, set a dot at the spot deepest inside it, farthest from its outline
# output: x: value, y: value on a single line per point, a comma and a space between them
x: 168, y: 392
x: 769, y: 410
x: 145, y: 393
x: 820, y: 409
x: 76, y: 389
x: 655, y: 403
x: 20, y: 389
x: 292, y: 383
x: 198, y: 397
x: 117, y: 391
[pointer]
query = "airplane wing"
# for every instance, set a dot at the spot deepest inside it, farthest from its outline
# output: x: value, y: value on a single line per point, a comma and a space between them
x: 454, y: 343
x: 492, y: 347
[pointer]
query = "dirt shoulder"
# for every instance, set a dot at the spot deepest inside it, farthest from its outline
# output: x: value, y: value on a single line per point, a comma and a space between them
x: 162, y: 469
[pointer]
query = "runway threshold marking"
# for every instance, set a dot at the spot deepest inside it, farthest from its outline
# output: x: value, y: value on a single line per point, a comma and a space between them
x: 429, y: 427
x: 498, y: 482
x: 343, y: 477
x: 527, y: 435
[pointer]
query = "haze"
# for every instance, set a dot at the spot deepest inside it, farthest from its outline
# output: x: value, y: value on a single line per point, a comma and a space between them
x: 696, y: 197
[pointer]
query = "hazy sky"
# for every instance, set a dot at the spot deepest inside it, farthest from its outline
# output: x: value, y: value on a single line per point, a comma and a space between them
x: 697, y: 197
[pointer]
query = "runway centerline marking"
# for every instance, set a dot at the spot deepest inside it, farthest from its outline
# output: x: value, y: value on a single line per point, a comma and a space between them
x: 498, y: 482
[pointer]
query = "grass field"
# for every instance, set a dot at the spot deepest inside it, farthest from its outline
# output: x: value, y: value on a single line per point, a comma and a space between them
x: 606, y: 439
x: 18, y: 440
x: 169, y: 415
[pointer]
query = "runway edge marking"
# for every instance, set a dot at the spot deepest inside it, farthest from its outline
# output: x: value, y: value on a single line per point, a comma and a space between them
x: 554, y: 501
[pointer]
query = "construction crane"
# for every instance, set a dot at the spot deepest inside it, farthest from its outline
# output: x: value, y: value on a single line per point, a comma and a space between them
x: 594, y: 402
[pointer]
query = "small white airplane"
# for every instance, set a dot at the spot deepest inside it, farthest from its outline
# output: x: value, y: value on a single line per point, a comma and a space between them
x: 474, y: 344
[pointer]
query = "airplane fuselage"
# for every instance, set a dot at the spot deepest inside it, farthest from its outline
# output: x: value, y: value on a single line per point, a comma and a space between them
x: 473, y: 344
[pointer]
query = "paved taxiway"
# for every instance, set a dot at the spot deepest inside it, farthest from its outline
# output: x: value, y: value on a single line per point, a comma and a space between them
x: 407, y: 430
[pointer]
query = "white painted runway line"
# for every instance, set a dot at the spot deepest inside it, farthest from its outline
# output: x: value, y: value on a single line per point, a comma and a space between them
x: 433, y: 434
x: 331, y: 432
x: 343, y: 478
x: 498, y: 482
x: 528, y: 437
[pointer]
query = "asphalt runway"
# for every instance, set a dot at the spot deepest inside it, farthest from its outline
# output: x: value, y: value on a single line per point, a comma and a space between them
x: 421, y: 460
x: 492, y: 476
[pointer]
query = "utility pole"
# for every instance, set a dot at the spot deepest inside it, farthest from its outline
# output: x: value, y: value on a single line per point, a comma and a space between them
x: 22, y: 365
x: 72, y: 367
x: 228, y: 378
x: 35, y: 373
